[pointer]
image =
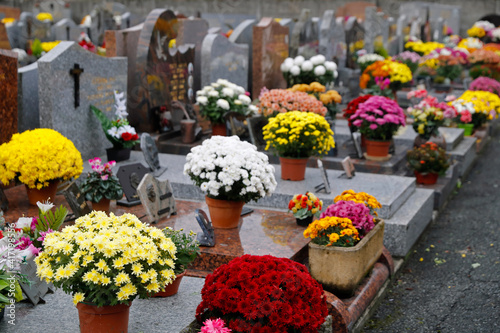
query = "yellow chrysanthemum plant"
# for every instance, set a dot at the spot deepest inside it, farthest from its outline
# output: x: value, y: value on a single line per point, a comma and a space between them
x: 333, y: 231
x: 38, y: 157
x: 298, y: 134
x: 107, y: 260
x: 486, y: 105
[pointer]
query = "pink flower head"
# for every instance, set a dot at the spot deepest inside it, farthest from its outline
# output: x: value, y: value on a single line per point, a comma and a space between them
x: 215, y: 326
x: 383, y: 83
x: 465, y: 117
x: 357, y: 212
x: 43, y: 234
x: 450, y: 98
x: 33, y: 250
x: 104, y: 177
x: 34, y: 223
x: 422, y: 93
x: 23, y: 243
x: 373, y: 126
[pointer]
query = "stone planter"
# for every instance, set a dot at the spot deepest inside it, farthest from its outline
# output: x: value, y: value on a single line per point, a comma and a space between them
x: 341, y: 269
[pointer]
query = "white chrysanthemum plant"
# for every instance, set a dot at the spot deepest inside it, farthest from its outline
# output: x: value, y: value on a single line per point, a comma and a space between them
x: 298, y: 70
x: 107, y: 260
x: 227, y: 168
x: 221, y: 97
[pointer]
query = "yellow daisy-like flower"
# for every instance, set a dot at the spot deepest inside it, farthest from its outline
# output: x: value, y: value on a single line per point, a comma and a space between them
x: 78, y: 297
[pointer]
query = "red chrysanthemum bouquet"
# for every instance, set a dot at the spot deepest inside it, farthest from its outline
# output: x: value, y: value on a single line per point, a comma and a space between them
x: 263, y: 294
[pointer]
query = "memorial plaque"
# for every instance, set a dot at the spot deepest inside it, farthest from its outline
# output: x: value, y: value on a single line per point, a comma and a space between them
x: 76, y: 201
x: 348, y: 167
x: 130, y: 177
x: 207, y: 238
x: 193, y: 31
x: 156, y: 198
x: 325, y: 186
x: 150, y: 151
x: 255, y: 125
x: 270, y: 49
x: 38, y: 288
x: 243, y: 34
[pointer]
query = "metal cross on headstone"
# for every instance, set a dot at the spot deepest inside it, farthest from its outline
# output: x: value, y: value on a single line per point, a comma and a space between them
x: 76, y: 71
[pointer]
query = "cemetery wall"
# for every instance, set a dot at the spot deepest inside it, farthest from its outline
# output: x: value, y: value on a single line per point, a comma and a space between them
x: 471, y: 10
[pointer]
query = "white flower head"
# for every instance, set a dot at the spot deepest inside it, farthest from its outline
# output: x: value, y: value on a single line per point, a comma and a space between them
x: 253, y: 109
x: 330, y: 66
x: 285, y: 68
x: 244, y: 99
x: 113, y: 131
x: 319, y: 70
x: 295, y: 70
x: 45, y: 206
x: 307, y: 66
x: 227, y: 92
x: 289, y: 62
x: 223, y: 104
x: 445, y: 52
x: 298, y: 60
x: 24, y: 222
x: 318, y: 59
x: 213, y: 93
x: 238, y: 102
x: 202, y: 100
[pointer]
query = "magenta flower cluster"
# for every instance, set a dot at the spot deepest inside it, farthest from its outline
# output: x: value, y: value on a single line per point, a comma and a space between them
x: 485, y: 84
x: 379, y: 118
x: 215, y: 326
x: 103, y: 170
x: 357, y: 212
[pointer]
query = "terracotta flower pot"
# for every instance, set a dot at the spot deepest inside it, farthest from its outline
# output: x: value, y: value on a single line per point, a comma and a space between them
x: 172, y: 288
x: 293, y: 169
x: 43, y: 194
x: 102, y: 205
x: 377, y: 148
x: 219, y: 129
x: 118, y: 154
x: 426, y: 179
x: 224, y: 214
x: 341, y: 269
x: 105, y: 319
x: 304, y: 222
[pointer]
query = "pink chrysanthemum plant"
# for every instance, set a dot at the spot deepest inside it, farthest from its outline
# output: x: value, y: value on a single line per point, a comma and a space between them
x: 357, y: 212
x: 101, y: 183
x: 215, y: 326
x: 379, y: 118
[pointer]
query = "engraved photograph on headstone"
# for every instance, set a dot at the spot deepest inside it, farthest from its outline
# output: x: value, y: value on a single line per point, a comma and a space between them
x: 150, y: 151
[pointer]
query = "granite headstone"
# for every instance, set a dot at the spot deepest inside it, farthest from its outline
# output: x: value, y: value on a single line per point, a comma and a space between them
x: 326, y: 41
x: 76, y: 201
x: 149, y: 87
x: 270, y: 49
x: 222, y: 59
x: 66, y: 29
x: 309, y: 38
x: 193, y: 31
x: 61, y: 89
x: 150, y: 152
x: 354, y: 34
x: 297, y: 31
x: 226, y: 21
x: 4, y: 38
x: 28, y: 103
x: 243, y: 34
x: 6, y: 11
x: 8, y: 95
x: 57, y: 8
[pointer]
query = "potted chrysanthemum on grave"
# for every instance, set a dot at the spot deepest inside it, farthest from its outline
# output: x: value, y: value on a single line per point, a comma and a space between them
x: 221, y: 97
x: 118, y: 131
x: 378, y: 118
x: 295, y: 136
x: 428, y: 161
x: 101, y: 185
x: 305, y: 207
x: 40, y: 159
x: 316, y: 69
x: 263, y: 293
x: 230, y: 173
x: 482, y: 105
x: 346, y: 242
x: 106, y: 262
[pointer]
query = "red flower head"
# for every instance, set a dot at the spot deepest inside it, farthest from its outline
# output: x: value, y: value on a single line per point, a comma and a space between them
x: 127, y: 136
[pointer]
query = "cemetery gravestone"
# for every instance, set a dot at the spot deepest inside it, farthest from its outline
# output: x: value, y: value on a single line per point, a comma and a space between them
x: 130, y: 177
x: 39, y: 288
x: 354, y: 34
x: 309, y: 39
x: 4, y: 38
x: 6, y: 11
x: 374, y: 28
x: 70, y: 76
x: 66, y: 29
x: 25, y: 30
x: 56, y: 8
x: 270, y: 49
x: 243, y: 34
x: 326, y: 42
x: 161, y: 73
x: 193, y: 31
x: 401, y: 24
x: 156, y: 197
x: 28, y: 106
x: 150, y: 151
x: 225, y: 22
x: 297, y: 31
x: 221, y: 59
x: 8, y: 95
x: 207, y: 237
